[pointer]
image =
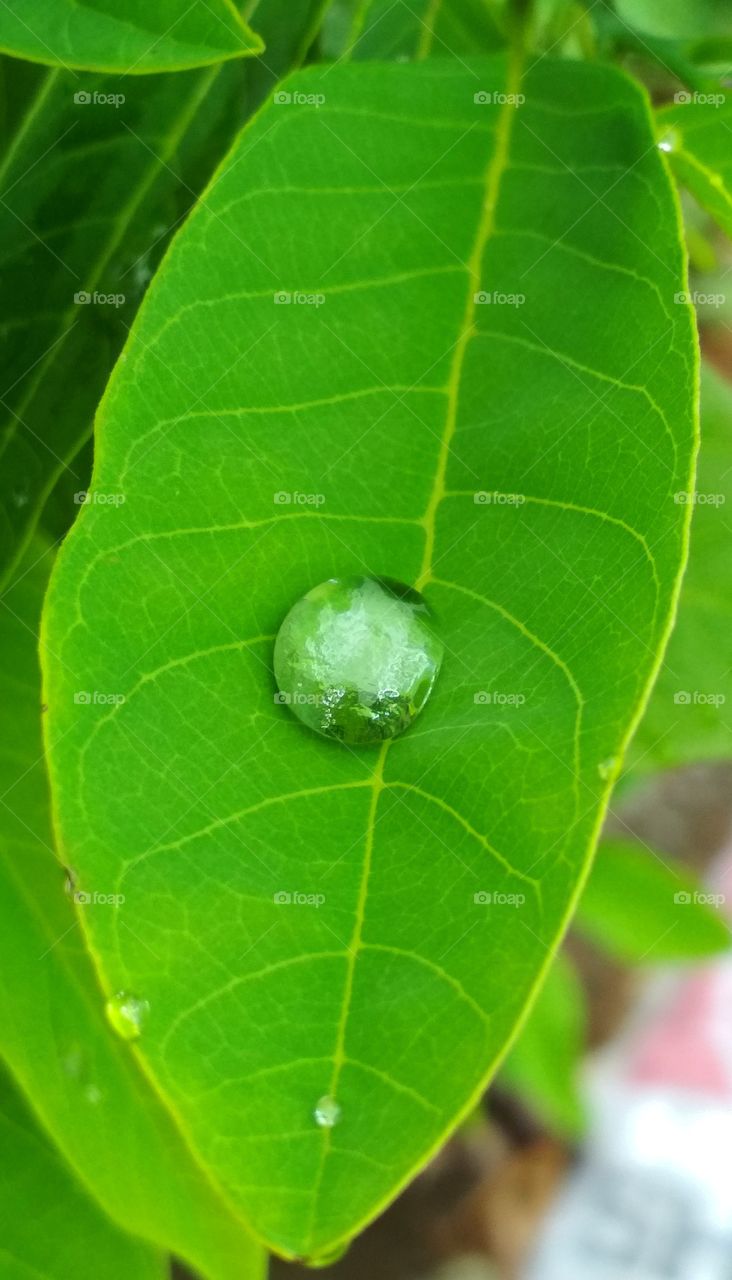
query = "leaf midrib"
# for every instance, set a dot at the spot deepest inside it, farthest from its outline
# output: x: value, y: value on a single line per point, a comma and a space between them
x: 492, y: 180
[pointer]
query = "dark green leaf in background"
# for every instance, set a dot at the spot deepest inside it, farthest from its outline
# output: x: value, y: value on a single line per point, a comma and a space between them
x: 516, y: 457
x: 644, y: 910
x: 384, y: 29
x: 90, y: 189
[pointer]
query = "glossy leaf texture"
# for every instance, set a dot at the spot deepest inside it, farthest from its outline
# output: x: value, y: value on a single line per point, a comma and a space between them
x: 127, y: 37
x: 544, y: 1064
x: 643, y: 909
x: 116, y: 1135
x: 698, y: 134
x: 689, y: 716
x: 356, y: 388
x: 92, y: 190
x: 385, y: 29
x: 49, y: 1226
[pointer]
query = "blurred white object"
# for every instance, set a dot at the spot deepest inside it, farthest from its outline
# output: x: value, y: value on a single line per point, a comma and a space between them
x: 652, y: 1196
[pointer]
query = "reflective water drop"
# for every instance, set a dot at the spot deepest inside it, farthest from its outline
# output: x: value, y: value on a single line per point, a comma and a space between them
x: 327, y: 1112
x: 71, y: 881
x: 356, y: 658
x: 606, y: 768
x: 126, y: 1014
x: 669, y: 140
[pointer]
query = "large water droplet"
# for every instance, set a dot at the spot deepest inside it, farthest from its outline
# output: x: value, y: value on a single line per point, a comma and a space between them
x: 126, y: 1014
x: 327, y: 1112
x: 356, y: 658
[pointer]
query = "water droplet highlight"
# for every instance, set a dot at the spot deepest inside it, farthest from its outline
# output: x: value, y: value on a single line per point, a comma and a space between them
x: 669, y: 140
x: 356, y: 658
x: 126, y: 1014
x: 607, y: 768
x: 327, y: 1112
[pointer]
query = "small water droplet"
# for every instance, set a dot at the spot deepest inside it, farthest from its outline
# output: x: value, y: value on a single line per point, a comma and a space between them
x: 126, y: 1014
x: 71, y: 881
x: 327, y: 1112
x: 326, y: 1259
x: 356, y: 658
x: 606, y: 768
x: 669, y: 140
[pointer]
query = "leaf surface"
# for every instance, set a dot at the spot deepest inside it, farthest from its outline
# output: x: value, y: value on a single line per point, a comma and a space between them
x: 85, y: 1088
x: 677, y: 19
x: 50, y: 1228
x: 416, y: 414
x: 128, y: 37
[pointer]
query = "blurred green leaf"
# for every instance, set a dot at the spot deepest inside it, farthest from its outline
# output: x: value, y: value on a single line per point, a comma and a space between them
x: 543, y: 1066
x: 128, y: 37
x: 677, y: 19
x: 689, y: 715
x: 643, y: 909
x: 49, y: 1228
x: 84, y: 1084
x: 696, y: 133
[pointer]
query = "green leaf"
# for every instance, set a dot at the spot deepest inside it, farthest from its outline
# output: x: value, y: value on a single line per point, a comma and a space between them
x: 127, y: 37
x: 369, y: 29
x: 688, y: 716
x: 543, y: 1065
x: 50, y: 1227
x: 397, y: 400
x: 677, y: 19
x: 643, y: 909
x: 92, y: 191
x: 696, y: 133
x: 85, y: 1087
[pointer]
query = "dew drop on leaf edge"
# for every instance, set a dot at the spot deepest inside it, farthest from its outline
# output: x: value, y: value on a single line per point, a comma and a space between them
x: 356, y: 658
x: 327, y: 1112
x: 126, y: 1014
